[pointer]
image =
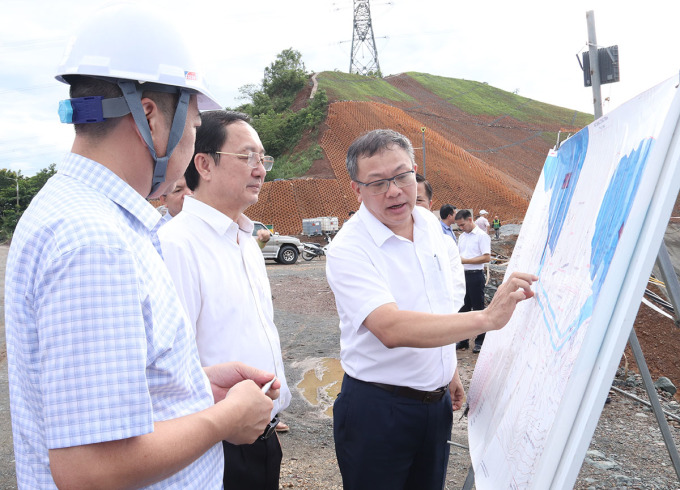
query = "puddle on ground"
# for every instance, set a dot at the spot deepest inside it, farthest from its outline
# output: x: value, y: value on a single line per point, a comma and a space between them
x: 321, y: 382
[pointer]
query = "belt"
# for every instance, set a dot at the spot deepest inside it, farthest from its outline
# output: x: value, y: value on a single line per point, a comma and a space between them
x: 270, y: 430
x: 475, y: 271
x: 406, y: 392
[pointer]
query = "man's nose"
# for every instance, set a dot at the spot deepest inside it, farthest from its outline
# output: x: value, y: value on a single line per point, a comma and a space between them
x: 393, y: 190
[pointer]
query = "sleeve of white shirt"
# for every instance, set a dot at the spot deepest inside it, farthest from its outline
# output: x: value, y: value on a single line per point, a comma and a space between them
x: 357, y: 285
x: 184, y: 272
x: 485, y: 243
x: 457, y: 273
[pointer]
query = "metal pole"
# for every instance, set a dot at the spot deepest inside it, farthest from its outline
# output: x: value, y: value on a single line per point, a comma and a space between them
x: 670, y: 279
x: 594, y: 64
x: 17, y: 192
x: 654, y: 400
x: 470, y: 479
x: 423, y: 131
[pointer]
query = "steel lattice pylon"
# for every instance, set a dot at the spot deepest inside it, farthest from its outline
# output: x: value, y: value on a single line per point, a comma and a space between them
x: 364, y: 53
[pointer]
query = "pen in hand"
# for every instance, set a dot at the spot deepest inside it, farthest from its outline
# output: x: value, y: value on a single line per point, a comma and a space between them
x: 268, y: 385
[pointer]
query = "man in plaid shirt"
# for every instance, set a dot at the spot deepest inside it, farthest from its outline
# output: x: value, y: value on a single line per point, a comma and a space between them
x: 106, y: 387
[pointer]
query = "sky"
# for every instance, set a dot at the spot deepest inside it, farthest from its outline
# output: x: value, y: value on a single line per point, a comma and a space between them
x: 526, y: 46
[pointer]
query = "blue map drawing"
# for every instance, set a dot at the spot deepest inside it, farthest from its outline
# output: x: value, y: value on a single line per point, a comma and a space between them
x: 591, y: 231
x: 562, y: 172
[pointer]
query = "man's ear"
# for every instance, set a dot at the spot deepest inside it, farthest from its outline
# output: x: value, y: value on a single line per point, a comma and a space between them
x: 355, y: 188
x: 204, y: 165
x: 157, y: 124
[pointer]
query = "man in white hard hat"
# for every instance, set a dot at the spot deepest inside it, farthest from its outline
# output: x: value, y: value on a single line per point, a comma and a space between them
x: 482, y: 222
x: 106, y: 387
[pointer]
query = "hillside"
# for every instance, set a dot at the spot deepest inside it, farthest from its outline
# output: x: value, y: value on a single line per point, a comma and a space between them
x: 484, y: 147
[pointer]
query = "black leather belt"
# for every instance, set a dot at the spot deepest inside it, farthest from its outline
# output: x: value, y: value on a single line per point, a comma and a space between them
x: 406, y: 392
x: 475, y: 271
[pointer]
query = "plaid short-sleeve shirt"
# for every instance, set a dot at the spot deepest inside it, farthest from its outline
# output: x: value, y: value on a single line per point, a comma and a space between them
x: 98, y: 345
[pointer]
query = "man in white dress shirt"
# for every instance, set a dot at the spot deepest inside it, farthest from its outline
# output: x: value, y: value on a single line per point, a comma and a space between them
x: 174, y: 200
x: 475, y: 251
x: 219, y: 273
x: 398, y: 285
x: 482, y: 222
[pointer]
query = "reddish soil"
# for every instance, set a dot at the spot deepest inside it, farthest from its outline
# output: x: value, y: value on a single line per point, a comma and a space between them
x: 471, y: 161
x: 659, y: 338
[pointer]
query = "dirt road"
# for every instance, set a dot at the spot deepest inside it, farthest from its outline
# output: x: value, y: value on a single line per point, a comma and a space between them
x: 626, y: 452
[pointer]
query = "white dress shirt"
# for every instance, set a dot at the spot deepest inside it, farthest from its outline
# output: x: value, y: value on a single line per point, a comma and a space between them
x: 482, y: 223
x: 473, y: 245
x: 220, y: 276
x: 369, y: 266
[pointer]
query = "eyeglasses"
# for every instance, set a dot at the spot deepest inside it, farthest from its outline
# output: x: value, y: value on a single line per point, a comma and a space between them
x: 253, y: 159
x: 381, y: 186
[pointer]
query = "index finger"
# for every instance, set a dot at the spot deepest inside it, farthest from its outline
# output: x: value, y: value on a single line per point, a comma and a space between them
x: 525, y: 276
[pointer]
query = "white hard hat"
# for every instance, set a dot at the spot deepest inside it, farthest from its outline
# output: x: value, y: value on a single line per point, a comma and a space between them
x: 137, y: 49
x: 129, y: 42
x: 483, y: 212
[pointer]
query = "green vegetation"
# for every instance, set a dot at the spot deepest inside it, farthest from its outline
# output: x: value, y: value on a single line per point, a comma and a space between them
x: 479, y: 98
x: 291, y: 166
x: 280, y: 128
x: 347, y: 86
x: 13, y: 187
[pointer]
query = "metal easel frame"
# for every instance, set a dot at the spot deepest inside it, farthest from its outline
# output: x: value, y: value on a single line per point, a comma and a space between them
x: 670, y: 278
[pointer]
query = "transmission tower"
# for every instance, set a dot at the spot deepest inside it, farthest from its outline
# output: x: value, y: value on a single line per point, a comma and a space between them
x: 364, y: 54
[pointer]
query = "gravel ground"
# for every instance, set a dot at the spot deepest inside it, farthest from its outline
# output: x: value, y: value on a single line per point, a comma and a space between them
x: 627, y: 450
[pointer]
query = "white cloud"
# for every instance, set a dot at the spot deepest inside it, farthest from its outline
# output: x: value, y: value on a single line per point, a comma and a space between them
x: 525, y: 45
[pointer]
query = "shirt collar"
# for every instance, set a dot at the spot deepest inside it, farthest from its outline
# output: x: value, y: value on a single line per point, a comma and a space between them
x: 381, y: 233
x: 107, y: 183
x: 217, y: 220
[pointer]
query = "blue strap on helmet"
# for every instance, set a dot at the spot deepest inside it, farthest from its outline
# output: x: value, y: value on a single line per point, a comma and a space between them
x: 94, y: 109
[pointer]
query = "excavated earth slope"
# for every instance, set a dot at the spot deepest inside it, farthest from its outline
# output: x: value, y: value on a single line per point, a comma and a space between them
x: 472, y: 161
x: 457, y: 176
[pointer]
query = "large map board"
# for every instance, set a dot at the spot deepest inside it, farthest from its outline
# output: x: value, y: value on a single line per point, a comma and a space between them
x: 591, y: 233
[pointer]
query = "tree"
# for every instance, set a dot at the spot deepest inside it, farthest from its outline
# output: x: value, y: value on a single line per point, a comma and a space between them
x: 15, y: 186
x: 280, y: 128
x: 284, y: 78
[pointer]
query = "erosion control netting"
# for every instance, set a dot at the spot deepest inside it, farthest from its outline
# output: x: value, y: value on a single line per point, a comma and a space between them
x: 516, y: 148
x: 457, y: 176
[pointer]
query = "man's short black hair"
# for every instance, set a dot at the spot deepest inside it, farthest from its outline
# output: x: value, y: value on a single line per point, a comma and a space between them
x: 373, y: 142
x: 210, y: 137
x: 463, y: 214
x: 446, y: 210
x: 428, y: 187
x: 83, y: 86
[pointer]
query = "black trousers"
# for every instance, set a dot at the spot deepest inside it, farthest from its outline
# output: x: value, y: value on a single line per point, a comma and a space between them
x: 385, y: 441
x: 252, y: 466
x: 474, y: 296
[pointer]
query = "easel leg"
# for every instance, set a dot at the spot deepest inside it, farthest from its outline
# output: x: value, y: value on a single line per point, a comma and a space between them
x: 654, y: 399
x: 670, y: 279
x: 470, y: 480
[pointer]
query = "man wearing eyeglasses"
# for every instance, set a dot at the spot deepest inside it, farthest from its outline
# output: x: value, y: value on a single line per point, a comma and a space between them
x: 398, y: 285
x: 219, y: 273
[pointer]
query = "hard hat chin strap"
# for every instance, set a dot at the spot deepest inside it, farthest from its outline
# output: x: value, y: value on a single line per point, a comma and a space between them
x: 133, y: 96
